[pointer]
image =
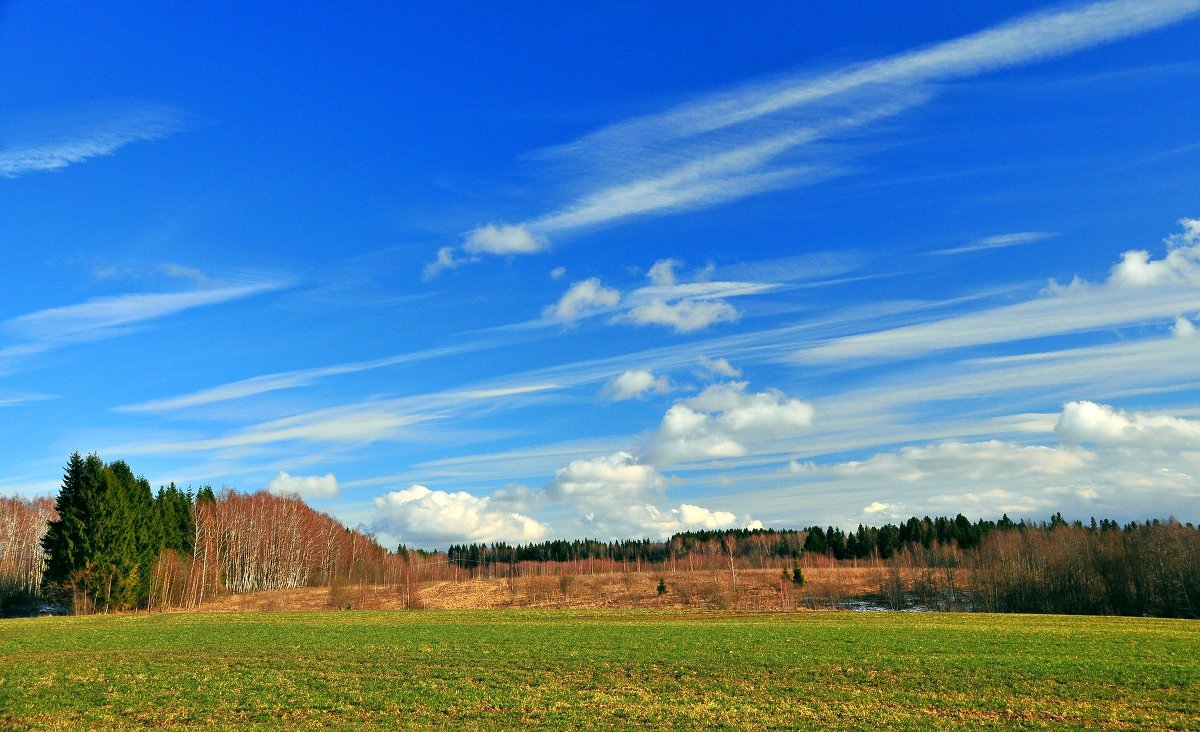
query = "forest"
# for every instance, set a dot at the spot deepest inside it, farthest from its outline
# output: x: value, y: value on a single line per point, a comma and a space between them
x: 108, y: 542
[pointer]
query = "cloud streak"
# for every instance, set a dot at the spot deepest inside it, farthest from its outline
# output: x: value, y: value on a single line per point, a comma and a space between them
x: 1139, y: 290
x: 109, y: 317
x: 999, y: 241
x: 762, y: 137
x: 266, y: 383
x: 52, y: 146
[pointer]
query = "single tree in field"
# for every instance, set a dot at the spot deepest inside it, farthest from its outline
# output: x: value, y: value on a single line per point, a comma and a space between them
x: 662, y: 586
x: 797, y: 575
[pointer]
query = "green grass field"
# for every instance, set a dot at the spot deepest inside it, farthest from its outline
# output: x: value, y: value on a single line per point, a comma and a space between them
x: 597, y: 670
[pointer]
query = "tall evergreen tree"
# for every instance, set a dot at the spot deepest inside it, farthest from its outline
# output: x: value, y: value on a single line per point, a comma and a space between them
x: 102, y: 547
x: 66, y: 539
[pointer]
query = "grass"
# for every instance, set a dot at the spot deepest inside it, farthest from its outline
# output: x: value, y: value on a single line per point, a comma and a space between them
x: 597, y: 670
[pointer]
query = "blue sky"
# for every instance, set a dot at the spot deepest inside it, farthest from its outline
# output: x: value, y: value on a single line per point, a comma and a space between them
x: 471, y: 272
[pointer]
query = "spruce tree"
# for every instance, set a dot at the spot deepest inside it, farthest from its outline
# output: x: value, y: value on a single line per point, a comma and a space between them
x: 102, y: 547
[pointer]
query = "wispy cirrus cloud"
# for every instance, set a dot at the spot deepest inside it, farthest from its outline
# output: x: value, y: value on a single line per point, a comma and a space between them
x: 765, y: 136
x: 67, y: 138
x: 999, y: 241
x: 345, y: 425
x: 13, y: 398
x: 108, y: 317
x: 1139, y: 289
x: 287, y: 380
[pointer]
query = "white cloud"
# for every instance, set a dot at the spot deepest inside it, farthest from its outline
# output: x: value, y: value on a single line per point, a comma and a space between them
x: 616, y: 479
x: 503, y: 239
x: 723, y: 420
x: 686, y: 307
x: 1087, y: 422
x: 418, y: 514
x: 1181, y: 265
x: 999, y: 241
x: 635, y: 384
x: 108, y: 317
x: 284, y: 380
x: 13, y: 398
x: 613, y: 496
x: 702, y: 518
x: 584, y: 298
x: 662, y: 272
x: 732, y: 144
x: 102, y: 316
x: 719, y: 366
x: 1140, y: 290
x: 447, y: 258
x: 1183, y: 328
x: 77, y: 137
x: 305, y: 486
x: 1136, y: 269
x: 972, y: 461
x: 645, y: 519
x: 558, y: 273
x: 684, y: 316
x: 1134, y: 465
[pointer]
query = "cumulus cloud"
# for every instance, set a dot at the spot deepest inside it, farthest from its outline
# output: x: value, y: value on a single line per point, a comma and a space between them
x: 1183, y: 328
x: 1087, y: 422
x: 648, y: 519
x: 610, y: 480
x: 686, y: 306
x: 496, y: 239
x: 584, y: 298
x: 1180, y: 266
x: 503, y: 239
x: 447, y: 258
x: 305, y: 486
x: 1109, y: 462
x: 662, y: 272
x: 719, y: 366
x: 722, y: 420
x: 636, y: 384
x: 419, y: 514
x: 685, y: 316
x: 558, y: 273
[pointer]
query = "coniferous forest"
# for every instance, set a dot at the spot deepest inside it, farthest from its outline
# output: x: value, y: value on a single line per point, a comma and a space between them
x: 111, y: 543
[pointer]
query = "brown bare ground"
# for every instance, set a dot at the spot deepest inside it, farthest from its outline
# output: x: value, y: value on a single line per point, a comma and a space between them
x: 752, y: 589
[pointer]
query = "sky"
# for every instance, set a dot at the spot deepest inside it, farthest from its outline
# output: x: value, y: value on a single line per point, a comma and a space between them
x: 473, y: 272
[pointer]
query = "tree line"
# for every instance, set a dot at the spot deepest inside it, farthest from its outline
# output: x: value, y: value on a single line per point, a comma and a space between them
x: 108, y: 542
x: 867, y: 542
